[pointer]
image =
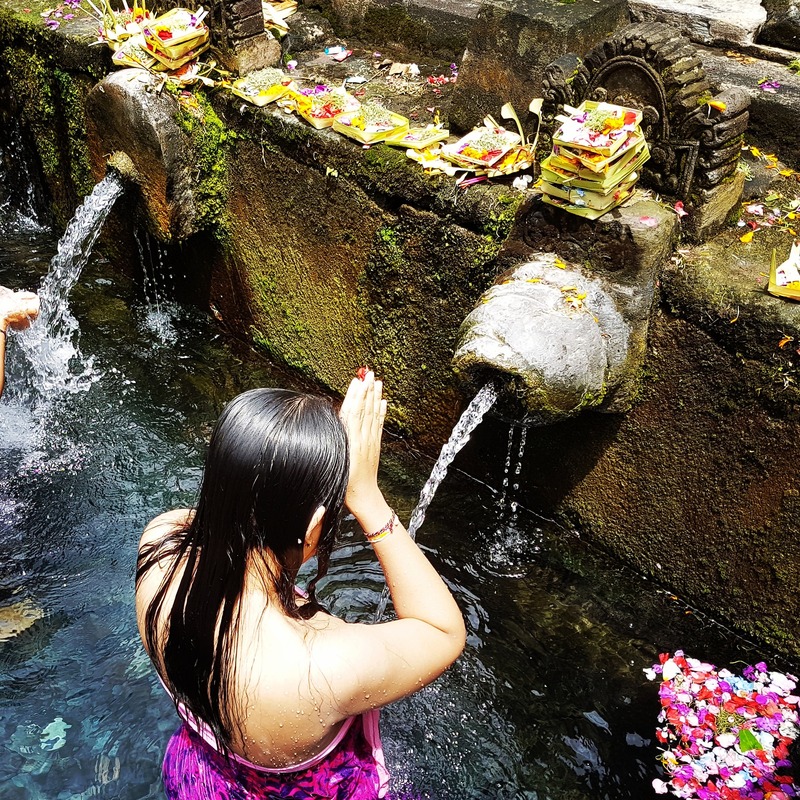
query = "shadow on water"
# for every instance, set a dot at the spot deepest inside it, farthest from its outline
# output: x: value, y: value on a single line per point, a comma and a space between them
x: 549, y: 700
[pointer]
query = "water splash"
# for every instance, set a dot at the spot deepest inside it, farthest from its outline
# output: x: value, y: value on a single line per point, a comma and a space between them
x: 466, y: 424
x: 50, y: 344
x: 469, y: 420
x: 159, y: 314
x: 21, y: 204
x: 509, y: 545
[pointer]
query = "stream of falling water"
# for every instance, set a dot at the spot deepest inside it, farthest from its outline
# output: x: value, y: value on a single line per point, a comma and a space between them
x: 523, y: 437
x: 20, y: 203
x: 508, y: 547
x: 466, y: 424
x: 50, y: 344
x: 469, y: 420
x: 158, y: 285
x: 508, y: 489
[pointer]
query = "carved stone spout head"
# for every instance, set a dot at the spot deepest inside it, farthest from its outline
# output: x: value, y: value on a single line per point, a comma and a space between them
x: 554, y: 336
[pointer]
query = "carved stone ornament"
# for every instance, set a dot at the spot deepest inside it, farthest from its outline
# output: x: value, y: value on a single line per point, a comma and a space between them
x: 695, y: 137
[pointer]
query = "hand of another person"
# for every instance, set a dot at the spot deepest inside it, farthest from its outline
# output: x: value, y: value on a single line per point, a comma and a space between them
x: 17, y: 309
x: 362, y: 414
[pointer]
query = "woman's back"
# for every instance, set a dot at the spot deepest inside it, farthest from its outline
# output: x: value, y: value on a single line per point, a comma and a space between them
x: 263, y: 674
x: 285, y: 696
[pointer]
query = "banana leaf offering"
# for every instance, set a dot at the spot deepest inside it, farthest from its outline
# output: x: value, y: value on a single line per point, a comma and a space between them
x: 275, y: 15
x: 321, y: 104
x: 177, y: 36
x: 481, y: 148
x: 370, y: 123
x: 133, y: 53
x: 118, y: 26
x: 263, y: 86
x: 418, y: 138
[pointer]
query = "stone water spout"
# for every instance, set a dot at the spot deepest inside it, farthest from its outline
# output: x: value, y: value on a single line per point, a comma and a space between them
x: 130, y: 116
x: 554, y: 336
x: 121, y: 163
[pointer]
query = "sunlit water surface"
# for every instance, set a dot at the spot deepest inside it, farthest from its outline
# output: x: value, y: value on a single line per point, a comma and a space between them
x: 548, y: 701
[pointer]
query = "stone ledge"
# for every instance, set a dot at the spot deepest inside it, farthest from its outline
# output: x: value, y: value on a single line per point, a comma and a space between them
x: 383, y: 172
x: 774, y: 118
x: 709, y: 22
x: 721, y: 287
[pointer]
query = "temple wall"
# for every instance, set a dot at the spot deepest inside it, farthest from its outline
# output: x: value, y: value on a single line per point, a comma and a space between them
x: 327, y: 256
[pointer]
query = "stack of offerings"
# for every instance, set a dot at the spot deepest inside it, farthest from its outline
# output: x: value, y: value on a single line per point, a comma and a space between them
x: 597, y: 153
x: 176, y: 37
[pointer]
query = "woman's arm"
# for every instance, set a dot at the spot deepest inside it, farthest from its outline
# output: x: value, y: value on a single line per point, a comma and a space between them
x: 17, y: 309
x: 381, y: 663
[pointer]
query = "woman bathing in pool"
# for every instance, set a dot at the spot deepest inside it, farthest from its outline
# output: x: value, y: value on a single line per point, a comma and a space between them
x: 278, y: 698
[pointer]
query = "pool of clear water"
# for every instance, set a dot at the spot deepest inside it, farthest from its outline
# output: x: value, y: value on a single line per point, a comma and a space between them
x: 548, y: 702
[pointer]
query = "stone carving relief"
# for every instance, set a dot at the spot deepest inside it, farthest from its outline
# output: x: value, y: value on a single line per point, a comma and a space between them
x: 694, y: 147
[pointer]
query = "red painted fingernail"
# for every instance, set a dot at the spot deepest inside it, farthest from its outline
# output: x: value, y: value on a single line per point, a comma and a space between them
x: 362, y: 373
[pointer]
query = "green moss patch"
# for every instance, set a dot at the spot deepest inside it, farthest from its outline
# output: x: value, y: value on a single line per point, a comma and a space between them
x: 211, y: 142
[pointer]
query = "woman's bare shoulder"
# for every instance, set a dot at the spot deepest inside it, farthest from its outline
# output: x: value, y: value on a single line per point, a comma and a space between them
x: 164, y: 524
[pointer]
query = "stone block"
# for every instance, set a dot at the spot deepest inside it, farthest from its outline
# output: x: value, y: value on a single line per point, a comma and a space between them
x: 511, y: 44
x: 255, y: 52
x: 439, y: 27
x: 249, y: 26
x: 436, y: 27
x: 709, y: 22
x: 309, y: 30
x: 782, y: 28
x: 349, y: 10
x: 242, y: 9
x: 714, y: 208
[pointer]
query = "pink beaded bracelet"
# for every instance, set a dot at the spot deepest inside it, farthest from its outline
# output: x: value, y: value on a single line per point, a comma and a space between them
x: 383, y: 532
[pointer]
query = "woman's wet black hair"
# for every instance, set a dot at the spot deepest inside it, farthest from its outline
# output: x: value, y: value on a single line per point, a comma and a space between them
x: 275, y: 457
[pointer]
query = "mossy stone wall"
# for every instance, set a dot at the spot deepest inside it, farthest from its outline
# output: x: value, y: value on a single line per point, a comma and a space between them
x: 327, y: 257
x: 334, y: 257
x: 46, y: 77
